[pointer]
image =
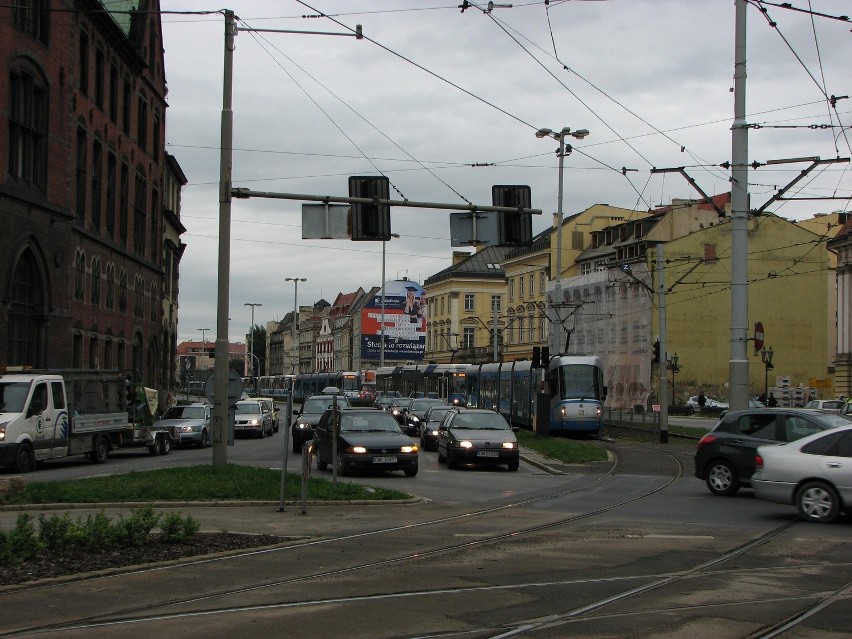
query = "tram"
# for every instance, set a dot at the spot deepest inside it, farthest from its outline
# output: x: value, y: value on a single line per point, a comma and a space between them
x: 307, y: 384
x: 444, y: 381
x: 277, y: 387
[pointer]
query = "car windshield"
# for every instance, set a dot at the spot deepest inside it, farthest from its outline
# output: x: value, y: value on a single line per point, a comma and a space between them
x: 424, y: 404
x: 12, y: 396
x: 402, y: 403
x: 373, y: 423
x: 184, y: 412
x: 247, y: 408
x: 320, y: 405
x: 480, y: 421
x: 437, y: 414
x: 834, y: 420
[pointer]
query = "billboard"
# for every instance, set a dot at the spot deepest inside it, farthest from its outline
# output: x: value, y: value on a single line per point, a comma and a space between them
x: 404, y: 322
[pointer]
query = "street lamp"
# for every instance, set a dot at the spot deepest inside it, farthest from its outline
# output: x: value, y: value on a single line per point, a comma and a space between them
x: 675, y: 369
x: 251, y: 337
x: 295, y: 281
x: 766, y: 358
x: 548, y: 133
x: 382, y: 326
x: 203, y: 339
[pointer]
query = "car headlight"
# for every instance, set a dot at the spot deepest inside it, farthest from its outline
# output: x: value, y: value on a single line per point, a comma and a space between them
x: 510, y: 445
x: 2, y: 432
x: 563, y: 411
x: 408, y: 449
x: 434, y: 432
x: 599, y: 411
x: 413, y: 419
x: 357, y: 449
x: 185, y: 429
x: 465, y: 444
x: 303, y: 426
x: 253, y: 422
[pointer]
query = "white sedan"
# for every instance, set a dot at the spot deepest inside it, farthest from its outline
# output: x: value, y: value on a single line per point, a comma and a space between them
x: 813, y: 473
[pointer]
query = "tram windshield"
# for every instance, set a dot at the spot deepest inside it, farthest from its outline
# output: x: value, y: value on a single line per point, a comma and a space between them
x: 580, y: 381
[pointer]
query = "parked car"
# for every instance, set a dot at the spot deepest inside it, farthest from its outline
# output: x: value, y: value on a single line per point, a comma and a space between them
x: 368, y: 440
x: 709, y: 402
x: 252, y: 418
x: 269, y: 403
x: 399, y: 407
x: 308, y: 416
x: 825, y: 404
x: 724, y: 458
x: 191, y: 423
x: 429, y: 426
x: 847, y: 408
x: 416, y: 414
x: 813, y: 473
x: 477, y: 435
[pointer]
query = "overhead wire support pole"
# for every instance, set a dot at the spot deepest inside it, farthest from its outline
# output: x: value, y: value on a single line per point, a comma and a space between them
x: 738, y: 374
x: 693, y: 184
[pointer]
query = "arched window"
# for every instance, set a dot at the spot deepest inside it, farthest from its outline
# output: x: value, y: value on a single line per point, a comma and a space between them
x: 79, y: 275
x: 96, y: 281
x: 122, y: 291
x: 139, y: 297
x: 110, y: 287
x: 154, y: 302
x: 26, y: 334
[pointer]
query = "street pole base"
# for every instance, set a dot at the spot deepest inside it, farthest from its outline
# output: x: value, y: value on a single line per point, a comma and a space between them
x: 664, y: 437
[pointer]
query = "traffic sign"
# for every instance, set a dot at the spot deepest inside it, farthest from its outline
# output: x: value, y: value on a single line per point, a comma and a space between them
x: 758, y: 336
x: 235, y: 387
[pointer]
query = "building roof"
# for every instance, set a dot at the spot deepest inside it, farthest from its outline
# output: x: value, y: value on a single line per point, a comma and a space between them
x: 485, y: 263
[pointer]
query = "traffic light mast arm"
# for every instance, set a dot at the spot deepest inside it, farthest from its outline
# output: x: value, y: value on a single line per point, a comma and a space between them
x: 328, y: 199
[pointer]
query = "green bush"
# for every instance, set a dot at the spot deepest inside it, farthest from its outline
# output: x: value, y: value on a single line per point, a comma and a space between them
x: 58, y: 534
x: 135, y: 529
x: 98, y: 532
x: 177, y: 528
x: 22, y: 543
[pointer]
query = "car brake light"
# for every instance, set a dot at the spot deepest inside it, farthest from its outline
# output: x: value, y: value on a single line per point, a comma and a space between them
x: 707, y: 439
x: 758, y: 462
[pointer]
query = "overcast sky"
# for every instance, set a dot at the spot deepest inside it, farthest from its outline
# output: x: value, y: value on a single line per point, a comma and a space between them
x: 446, y: 103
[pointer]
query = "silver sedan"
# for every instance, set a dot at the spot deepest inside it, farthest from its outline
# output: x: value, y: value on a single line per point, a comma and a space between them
x: 813, y: 473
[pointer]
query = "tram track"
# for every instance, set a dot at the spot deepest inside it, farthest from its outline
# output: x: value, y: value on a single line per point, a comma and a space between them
x: 137, y: 612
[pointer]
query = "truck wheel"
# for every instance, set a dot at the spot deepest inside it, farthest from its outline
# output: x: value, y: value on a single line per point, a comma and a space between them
x: 165, y: 444
x: 154, y: 449
x: 24, y: 459
x: 100, y: 451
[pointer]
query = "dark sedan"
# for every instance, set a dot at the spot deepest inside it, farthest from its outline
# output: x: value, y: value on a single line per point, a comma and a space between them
x: 429, y: 426
x: 399, y: 407
x: 477, y: 435
x: 725, y: 456
x: 368, y: 440
x: 308, y: 416
x: 416, y: 414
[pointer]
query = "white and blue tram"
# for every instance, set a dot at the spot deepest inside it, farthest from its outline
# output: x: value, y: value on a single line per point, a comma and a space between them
x: 444, y: 381
x: 307, y: 384
x: 575, y: 385
x: 276, y: 386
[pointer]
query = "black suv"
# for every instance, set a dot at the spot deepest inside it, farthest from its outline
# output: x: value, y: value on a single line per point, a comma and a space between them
x: 725, y: 455
x: 308, y: 416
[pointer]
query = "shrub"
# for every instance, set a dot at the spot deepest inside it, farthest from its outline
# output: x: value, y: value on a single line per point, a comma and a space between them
x: 178, y: 529
x: 58, y: 534
x: 22, y: 543
x: 98, y: 532
x: 135, y: 529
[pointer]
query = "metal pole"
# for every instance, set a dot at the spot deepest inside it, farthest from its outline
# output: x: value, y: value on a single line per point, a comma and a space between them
x: 382, y: 327
x: 556, y: 341
x: 220, y: 390
x: 295, y: 348
x: 738, y: 387
x: 664, y: 395
x: 251, y: 337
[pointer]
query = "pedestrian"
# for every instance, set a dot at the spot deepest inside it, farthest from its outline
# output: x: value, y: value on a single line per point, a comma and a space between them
x: 702, y: 401
x: 772, y: 402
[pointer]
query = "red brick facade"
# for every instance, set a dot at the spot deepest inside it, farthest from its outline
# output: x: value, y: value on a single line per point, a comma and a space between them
x: 82, y: 121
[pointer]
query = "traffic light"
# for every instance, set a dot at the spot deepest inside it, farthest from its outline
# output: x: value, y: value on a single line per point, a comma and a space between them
x: 545, y: 356
x: 656, y: 357
x: 536, y: 358
x: 370, y: 221
x: 514, y: 229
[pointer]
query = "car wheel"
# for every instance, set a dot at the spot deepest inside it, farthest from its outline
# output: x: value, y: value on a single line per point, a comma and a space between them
x: 154, y: 449
x: 24, y: 459
x: 722, y: 478
x: 341, y: 467
x: 165, y: 445
x: 410, y: 472
x: 100, y: 451
x: 321, y: 465
x: 441, y: 458
x: 514, y: 464
x: 205, y: 439
x: 422, y: 443
x: 818, y: 502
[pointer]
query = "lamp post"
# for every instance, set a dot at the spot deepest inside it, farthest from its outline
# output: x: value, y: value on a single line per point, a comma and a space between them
x: 295, y: 281
x: 251, y: 338
x: 766, y: 357
x: 674, y: 368
x: 382, y: 322
x: 203, y: 339
x: 560, y: 135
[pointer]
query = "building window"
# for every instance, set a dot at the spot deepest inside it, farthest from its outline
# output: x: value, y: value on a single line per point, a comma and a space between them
x: 79, y: 275
x: 542, y: 281
x: 100, y: 78
x: 521, y: 287
x: 155, y: 239
x: 139, y: 297
x: 585, y: 268
x: 155, y: 138
x: 495, y: 303
x: 511, y: 288
x: 96, y: 281
x: 110, y: 195
x: 77, y: 351
x: 84, y: 64
x: 123, y: 204
x: 107, y: 363
x: 26, y: 308
x: 139, y: 200
x: 109, y: 296
x: 469, y: 337
x: 93, y: 352
x: 532, y: 284
x: 468, y: 302
x: 125, y: 105
x: 81, y: 173
x: 28, y: 126
x: 122, y: 291
x: 142, y: 123
x: 113, y: 93
x: 32, y: 17
x: 531, y: 327
x: 97, y: 184
x: 154, y: 298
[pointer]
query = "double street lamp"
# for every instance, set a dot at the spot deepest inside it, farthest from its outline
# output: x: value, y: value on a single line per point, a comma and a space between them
x: 673, y: 365
x: 766, y: 358
x: 560, y: 136
x: 251, y: 338
x: 295, y: 281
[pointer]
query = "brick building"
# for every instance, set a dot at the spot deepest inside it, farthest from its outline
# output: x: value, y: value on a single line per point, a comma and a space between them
x: 82, y: 183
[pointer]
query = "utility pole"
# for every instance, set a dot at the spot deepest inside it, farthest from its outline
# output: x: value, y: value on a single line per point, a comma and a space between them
x: 663, y: 380
x: 251, y: 336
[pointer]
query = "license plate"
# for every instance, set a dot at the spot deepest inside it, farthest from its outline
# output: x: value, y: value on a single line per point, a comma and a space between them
x: 487, y: 453
x: 384, y: 460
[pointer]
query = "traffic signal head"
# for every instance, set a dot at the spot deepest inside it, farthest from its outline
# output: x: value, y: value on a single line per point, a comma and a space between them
x: 370, y: 221
x: 536, y: 357
x: 656, y: 357
x: 514, y: 229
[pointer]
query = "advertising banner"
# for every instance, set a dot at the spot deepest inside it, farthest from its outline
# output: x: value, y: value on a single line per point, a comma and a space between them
x: 404, y: 322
